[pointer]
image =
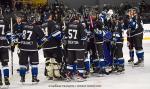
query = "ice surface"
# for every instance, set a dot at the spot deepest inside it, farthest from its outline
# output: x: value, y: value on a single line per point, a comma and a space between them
x: 133, y: 78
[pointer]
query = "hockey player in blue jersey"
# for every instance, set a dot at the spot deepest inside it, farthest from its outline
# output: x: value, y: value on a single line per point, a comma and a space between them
x: 135, y: 37
x: 75, y: 43
x: 4, y: 50
x: 17, y: 32
x: 52, y: 47
x: 29, y: 49
x: 117, y: 29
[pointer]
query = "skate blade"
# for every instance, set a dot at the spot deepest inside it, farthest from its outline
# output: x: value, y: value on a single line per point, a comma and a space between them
x: 101, y: 75
x: 120, y: 72
x: 140, y: 65
x: 130, y: 64
x: 95, y: 74
x: 68, y: 80
x: 98, y: 75
x: 80, y: 80
x: 4, y: 87
x: 34, y: 83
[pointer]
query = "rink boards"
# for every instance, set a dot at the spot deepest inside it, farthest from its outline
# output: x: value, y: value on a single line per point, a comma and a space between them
x: 146, y: 31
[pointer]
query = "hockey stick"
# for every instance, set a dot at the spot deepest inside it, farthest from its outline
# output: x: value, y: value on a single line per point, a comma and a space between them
x: 12, y: 67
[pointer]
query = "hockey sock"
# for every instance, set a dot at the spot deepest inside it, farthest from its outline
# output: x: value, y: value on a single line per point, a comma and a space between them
x: 70, y: 69
x: 80, y: 66
x: 115, y: 61
x: 74, y: 68
x: 96, y: 63
x: 23, y: 70
x: 140, y: 54
x: 6, y: 71
x: 131, y: 52
x: 103, y: 63
x: 80, y: 72
x: 34, y: 70
x: 87, y: 64
x: 120, y: 61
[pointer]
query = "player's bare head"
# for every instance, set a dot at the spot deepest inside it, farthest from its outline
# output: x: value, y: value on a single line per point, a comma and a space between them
x: 18, y: 18
x: 50, y: 17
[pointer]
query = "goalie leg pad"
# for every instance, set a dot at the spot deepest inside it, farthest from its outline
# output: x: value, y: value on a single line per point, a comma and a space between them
x: 53, y: 68
x: 49, y: 68
x: 56, y: 70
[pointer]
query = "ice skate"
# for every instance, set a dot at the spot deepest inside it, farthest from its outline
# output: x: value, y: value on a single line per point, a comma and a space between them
x: 121, y: 69
x: 6, y: 80
x: 35, y: 80
x: 131, y: 60
x: 80, y: 78
x: 139, y: 63
x: 22, y: 79
x: 1, y: 82
x: 69, y: 77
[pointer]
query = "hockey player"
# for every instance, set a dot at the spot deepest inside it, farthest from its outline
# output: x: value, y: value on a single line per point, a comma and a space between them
x: 90, y: 49
x: 28, y: 49
x: 117, y: 43
x: 95, y: 43
x: 75, y: 43
x: 17, y: 32
x: 52, y: 48
x: 4, y: 54
x: 135, y: 34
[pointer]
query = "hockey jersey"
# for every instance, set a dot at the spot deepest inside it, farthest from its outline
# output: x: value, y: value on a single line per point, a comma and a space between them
x: 4, y: 29
x: 30, y: 35
x: 49, y: 28
x: 136, y: 26
x: 76, y: 36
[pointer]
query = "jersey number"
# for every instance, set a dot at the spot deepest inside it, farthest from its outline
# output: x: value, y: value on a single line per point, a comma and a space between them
x: 2, y: 28
x: 72, y: 34
x: 25, y: 36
